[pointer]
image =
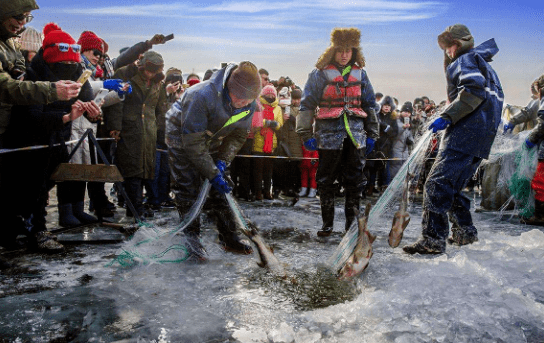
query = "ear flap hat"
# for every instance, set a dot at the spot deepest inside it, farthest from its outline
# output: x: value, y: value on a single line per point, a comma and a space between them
x: 341, y: 39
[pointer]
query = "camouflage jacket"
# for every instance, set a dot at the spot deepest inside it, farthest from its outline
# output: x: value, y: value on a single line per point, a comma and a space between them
x: 16, y: 92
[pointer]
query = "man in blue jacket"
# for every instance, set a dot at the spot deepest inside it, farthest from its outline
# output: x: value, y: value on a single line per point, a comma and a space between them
x: 204, y: 131
x: 471, y: 120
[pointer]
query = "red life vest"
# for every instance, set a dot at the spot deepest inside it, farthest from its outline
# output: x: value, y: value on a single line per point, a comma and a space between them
x: 339, y: 94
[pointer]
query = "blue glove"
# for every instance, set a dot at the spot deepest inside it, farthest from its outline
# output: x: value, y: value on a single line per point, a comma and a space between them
x: 529, y: 144
x: 220, y: 184
x: 117, y: 85
x: 311, y: 144
x: 439, y: 124
x: 221, y: 165
x: 369, y: 145
x: 508, y: 127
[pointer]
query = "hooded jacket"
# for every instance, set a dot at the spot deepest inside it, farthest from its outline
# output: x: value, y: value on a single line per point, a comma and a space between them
x: 195, y: 124
x: 471, y: 72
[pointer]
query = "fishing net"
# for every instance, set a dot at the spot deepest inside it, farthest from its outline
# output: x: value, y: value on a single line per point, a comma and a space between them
x: 154, y: 243
x: 388, y: 202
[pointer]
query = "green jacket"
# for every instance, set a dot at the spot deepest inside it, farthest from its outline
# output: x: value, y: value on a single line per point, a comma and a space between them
x: 136, y: 118
x: 15, y: 92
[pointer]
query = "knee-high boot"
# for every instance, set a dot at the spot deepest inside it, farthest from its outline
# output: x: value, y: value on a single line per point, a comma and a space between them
x: 327, y: 211
x: 351, y: 207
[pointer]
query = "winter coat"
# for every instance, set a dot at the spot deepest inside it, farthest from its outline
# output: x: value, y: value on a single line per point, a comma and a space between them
x: 15, y: 92
x: 474, y: 133
x: 290, y: 142
x: 527, y: 115
x: 259, y: 139
x: 402, y: 142
x: 195, y: 124
x: 42, y: 124
x: 389, y: 131
x: 330, y: 133
x: 136, y: 118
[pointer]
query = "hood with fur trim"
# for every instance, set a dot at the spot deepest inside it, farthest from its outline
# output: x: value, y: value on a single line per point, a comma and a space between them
x: 343, y: 38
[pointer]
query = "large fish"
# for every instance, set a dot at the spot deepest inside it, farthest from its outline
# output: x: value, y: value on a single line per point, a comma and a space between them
x: 266, y: 255
x: 362, y: 253
x: 402, y: 217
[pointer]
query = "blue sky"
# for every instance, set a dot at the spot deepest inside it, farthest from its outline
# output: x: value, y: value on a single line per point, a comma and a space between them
x: 398, y: 38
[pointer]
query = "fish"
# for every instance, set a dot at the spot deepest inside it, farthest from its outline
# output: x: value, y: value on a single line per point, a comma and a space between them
x: 401, y: 217
x: 266, y: 255
x: 359, y: 259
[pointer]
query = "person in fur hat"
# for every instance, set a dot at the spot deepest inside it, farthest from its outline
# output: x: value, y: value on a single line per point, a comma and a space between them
x: 339, y: 100
x: 470, y: 122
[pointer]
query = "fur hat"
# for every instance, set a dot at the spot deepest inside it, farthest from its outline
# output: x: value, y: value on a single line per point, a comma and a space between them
x: 244, y: 81
x: 455, y: 34
x: 90, y: 41
x: 9, y: 8
x: 152, y: 61
x: 31, y: 39
x: 51, y: 54
x: 343, y: 39
x: 388, y: 100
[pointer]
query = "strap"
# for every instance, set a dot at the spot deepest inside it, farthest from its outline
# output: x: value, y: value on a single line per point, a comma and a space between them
x: 346, y: 124
x: 236, y: 118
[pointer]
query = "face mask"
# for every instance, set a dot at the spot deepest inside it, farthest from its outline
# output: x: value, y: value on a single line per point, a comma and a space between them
x: 64, y: 71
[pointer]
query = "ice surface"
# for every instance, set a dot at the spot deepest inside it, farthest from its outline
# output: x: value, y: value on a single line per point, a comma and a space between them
x: 490, y: 291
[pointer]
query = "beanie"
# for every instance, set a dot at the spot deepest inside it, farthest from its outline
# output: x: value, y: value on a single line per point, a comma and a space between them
x: 53, y: 35
x: 90, y: 41
x: 244, y: 81
x: 269, y: 91
x: 31, y: 39
x: 296, y: 94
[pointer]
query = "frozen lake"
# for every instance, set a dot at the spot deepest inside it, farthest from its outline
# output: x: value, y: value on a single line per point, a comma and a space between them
x: 490, y: 291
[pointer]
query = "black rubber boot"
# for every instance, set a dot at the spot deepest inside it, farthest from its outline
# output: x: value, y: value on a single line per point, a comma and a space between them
x: 426, y: 246
x: 79, y: 213
x: 192, y: 234
x: 327, y: 213
x: 66, y: 216
x: 351, y: 207
x: 228, y: 237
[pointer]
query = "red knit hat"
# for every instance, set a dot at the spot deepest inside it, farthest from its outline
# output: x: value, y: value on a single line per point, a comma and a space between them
x: 54, y: 35
x: 270, y: 91
x: 90, y: 41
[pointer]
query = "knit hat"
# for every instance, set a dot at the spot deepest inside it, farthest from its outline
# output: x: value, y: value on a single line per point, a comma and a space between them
x: 31, y: 39
x: 407, y: 107
x: 9, y: 8
x: 244, y: 81
x: 269, y: 91
x: 296, y: 94
x: 343, y: 39
x: 90, y: 41
x: 54, y: 35
x: 152, y: 61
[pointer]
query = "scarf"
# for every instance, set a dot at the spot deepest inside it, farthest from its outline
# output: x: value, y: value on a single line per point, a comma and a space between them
x: 98, y: 73
x: 266, y: 132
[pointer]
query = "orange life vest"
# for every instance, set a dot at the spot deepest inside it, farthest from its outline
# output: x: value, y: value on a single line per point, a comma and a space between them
x: 340, y: 95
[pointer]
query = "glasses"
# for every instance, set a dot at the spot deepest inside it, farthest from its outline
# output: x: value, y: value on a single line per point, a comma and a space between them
x: 63, y: 47
x: 21, y: 17
x: 97, y: 53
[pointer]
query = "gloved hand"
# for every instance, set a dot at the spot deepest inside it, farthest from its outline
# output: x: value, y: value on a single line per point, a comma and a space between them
x: 221, y: 165
x: 508, y: 127
x: 117, y: 85
x: 529, y: 144
x: 311, y: 144
x: 439, y: 124
x: 220, y: 184
x: 271, y: 124
x: 369, y: 145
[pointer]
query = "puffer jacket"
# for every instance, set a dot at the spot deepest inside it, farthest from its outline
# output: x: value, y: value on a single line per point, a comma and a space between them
x: 195, y: 124
x: 136, y: 119
x: 259, y: 139
x: 474, y: 133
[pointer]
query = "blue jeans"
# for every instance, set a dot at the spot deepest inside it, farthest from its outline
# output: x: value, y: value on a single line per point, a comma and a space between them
x: 158, y: 189
x: 443, y: 194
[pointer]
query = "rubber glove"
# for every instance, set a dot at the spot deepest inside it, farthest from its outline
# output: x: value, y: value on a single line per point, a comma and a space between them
x: 220, y: 184
x: 311, y: 144
x: 221, y: 165
x: 369, y: 145
x: 529, y: 144
x: 508, y: 127
x: 439, y: 124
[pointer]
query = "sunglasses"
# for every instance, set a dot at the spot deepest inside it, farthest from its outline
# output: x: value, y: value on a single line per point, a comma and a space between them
x: 63, y: 47
x: 21, y: 17
x: 97, y: 53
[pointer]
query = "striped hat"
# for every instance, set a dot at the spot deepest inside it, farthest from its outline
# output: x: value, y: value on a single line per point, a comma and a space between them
x: 31, y: 39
